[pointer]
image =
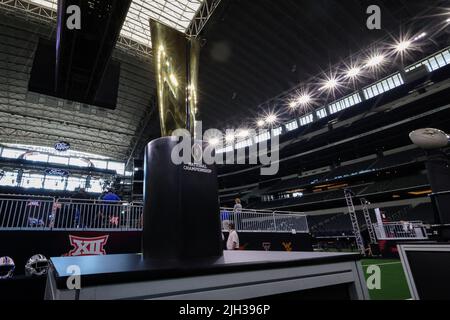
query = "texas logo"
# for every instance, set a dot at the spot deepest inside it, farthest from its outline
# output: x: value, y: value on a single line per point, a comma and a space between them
x: 87, y: 246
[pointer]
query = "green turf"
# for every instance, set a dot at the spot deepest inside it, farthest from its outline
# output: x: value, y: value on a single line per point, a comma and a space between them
x: 393, y: 281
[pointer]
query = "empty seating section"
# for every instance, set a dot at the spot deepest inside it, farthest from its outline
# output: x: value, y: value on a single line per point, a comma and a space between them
x: 395, y: 184
x: 356, y: 169
x: 337, y: 225
x: 398, y: 159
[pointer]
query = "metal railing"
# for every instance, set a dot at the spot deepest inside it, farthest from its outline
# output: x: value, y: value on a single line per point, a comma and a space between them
x: 47, y: 213
x: 96, y: 214
x: 19, y: 212
x: 264, y: 221
x: 410, y: 230
x: 44, y: 213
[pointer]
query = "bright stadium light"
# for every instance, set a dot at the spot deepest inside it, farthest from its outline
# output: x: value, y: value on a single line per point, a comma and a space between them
x: 261, y: 123
x: 353, y: 72
x: 420, y: 36
x: 229, y: 137
x: 403, y: 45
x: 293, y: 104
x: 271, y: 119
x: 213, y: 141
x: 304, y: 99
x: 330, y: 84
x: 375, y: 60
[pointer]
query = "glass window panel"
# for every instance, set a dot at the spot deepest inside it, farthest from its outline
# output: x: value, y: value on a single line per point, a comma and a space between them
x: 440, y: 60
x: 58, y: 160
x: 74, y: 183
x: 32, y: 181
x: 37, y: 157
x: 277, y: 131
x: 12, y: 153
x: 292, y: 125
x: 96, y: 186
x: 9, y: 179
x: 54, y: 183
x: 78, y: 162
x: 446, y: 55
x: 100, y: 164
x: 433, y: 63
x: 119, y: 167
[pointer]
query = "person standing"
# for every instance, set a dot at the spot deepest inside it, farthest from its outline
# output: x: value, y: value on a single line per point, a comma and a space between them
x: 111, y: 208
x: 237, y: 212
x: 233, y: 238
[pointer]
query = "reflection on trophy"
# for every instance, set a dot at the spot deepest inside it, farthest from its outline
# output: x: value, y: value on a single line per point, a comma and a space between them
x: 176, y: 66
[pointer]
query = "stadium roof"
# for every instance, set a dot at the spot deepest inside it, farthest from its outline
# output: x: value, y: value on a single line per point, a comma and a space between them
x: 251, y: 52
x: 177, y: 14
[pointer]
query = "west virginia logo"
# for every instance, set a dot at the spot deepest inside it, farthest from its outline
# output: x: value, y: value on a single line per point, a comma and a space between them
x: 287, y: 246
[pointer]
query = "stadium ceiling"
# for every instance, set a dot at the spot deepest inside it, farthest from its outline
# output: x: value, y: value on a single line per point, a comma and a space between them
x: 188, y: 16
x: 33, y: 119
x: 251, y: 52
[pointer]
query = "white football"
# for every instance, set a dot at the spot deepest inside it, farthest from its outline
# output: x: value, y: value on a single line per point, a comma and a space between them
x: 429, y: 138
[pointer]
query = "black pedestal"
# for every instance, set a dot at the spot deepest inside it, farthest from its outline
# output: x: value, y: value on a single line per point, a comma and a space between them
x: 181, y: 206
x: 235, y: 275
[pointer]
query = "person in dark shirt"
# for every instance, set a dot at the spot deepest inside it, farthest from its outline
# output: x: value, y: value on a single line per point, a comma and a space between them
x: 110, y: 196
x: 111, y: 210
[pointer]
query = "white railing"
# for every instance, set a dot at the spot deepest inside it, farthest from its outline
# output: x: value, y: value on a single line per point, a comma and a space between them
x: 18, y: 212
x: 40, y: 213
x: 46, y: 213
x: 96, y: 214
x: 410, y: 230
x: 264, y: 221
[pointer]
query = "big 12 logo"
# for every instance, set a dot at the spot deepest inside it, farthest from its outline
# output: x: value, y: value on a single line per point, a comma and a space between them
x: 87, y: 246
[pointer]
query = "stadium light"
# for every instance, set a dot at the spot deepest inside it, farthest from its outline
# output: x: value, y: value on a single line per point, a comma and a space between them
x: 375, y: 60
x: 420, y: 36
x: 271, y: 119
x: 293, y: 104
x: 261, y: 123
x: 330, y: 84
x: 403, y: 46
x: 304, y: 99
x: 353, y: 72
x: 213, y: 141
x: 229, y: 137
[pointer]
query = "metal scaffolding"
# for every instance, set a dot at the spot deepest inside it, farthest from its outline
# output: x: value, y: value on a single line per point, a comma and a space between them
x: 354, y: 220
x: 368, y: 220
x: 201, y: 18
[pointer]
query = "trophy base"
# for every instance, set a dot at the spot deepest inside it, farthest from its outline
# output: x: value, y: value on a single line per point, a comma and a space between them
x: 181, y: 206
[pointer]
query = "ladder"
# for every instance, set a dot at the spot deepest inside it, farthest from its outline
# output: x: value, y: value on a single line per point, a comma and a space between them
x: 354, y: 220
x: 370, y: 229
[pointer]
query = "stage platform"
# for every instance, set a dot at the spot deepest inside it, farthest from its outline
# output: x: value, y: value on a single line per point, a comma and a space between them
x: 236, y: 275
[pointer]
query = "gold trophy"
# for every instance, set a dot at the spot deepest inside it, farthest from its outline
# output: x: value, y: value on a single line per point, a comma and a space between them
x: 176, y: 66
x: 172, y: 212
